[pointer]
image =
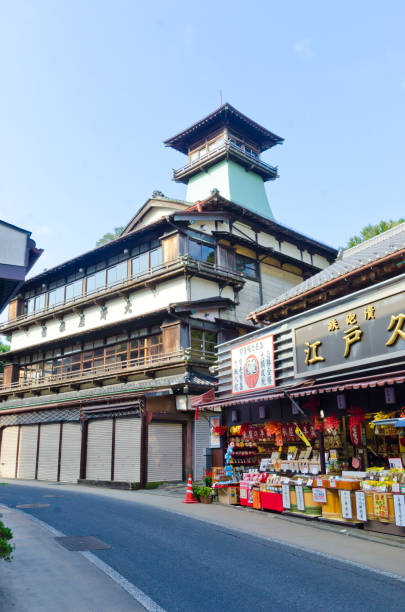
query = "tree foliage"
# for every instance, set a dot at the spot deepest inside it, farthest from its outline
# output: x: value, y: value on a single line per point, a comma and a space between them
x: 110, y: 236
x: 3, y: 349
x: 373, y: 230
x: 6, y: 548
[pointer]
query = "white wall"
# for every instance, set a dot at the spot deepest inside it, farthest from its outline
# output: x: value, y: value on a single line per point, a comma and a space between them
x: 12, y: 246
x: 143, y: 301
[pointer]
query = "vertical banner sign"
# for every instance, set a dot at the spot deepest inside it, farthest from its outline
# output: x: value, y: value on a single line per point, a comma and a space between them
x: 285, y: 490
x: 252, y: 365
x: 399, y: 508
x: 299, y: 492
x: 346, y: 504
x: 361, y: 509
x: 381, y: 505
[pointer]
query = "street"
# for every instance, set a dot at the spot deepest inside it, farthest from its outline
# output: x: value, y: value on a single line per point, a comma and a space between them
x: 184, y: 564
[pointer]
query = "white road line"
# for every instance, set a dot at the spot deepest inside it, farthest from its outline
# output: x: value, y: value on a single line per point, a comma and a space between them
x: 131, y: 589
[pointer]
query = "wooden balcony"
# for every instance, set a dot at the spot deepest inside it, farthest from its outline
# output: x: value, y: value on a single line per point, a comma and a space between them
x: 179, y: 266
x: 231, y: 151
x: 119, y: 370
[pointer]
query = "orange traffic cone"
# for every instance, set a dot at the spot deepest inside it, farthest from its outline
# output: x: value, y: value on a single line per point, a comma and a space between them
x: 190, y: 499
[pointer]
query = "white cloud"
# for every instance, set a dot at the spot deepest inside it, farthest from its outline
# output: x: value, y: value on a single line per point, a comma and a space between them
x: 304, y: 47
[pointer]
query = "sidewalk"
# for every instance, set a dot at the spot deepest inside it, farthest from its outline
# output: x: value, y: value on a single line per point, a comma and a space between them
x: 44, y: 576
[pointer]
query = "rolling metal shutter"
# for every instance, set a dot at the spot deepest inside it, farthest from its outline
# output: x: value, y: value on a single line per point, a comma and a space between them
x: 8, y: 452
x: 48, y: 452
x: 27, y: 455
x: 70, y: 453
x: 165, y: 452
x: 127, y: 460
x: 201, y: 442
x: 99, y: 450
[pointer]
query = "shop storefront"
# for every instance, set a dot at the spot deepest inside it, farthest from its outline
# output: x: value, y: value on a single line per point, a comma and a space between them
x: 313, y: 412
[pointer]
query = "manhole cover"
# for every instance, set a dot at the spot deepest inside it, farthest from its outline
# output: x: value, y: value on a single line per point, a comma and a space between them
x: 33, y: 506
x: 82, y: 543
x: 54, y: 496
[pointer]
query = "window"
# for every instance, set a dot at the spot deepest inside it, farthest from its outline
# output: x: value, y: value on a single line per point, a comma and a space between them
x: 74, y: 289
x: 156, y: 257
x: 246, y: 266
x: 117, y: 273
x: 203, y: 342
x: 201, y: 252
x: 40, y: 302
x: 56, y: 297
x: 140, y: 264
x: 95, y: 282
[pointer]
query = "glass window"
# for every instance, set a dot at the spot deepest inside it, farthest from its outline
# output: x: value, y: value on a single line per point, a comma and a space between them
x: 117, y: 273
x: 40, y: 302
x: 95, y: 282
x: 194, y: 157
x: 140, y: 264
x: 210, y: 338
x: 74, y: 290
x: 30, y: 306
x: 48, y: 368
x: 246, y: 266
x: 76, y: 360
x: 56, y: 297
x: 194, y: 249
x: 208, y: 254
x: 201, y: 251
x: 196, y: 339
x: 156, y: 257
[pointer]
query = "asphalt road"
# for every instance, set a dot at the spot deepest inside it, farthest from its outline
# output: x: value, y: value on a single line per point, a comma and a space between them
x: 187, y: 565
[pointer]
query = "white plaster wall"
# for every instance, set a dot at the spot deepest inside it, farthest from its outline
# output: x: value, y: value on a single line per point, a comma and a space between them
x: 157, y: 212
x: 268, y: 241
x: 320, y: 262
x: 290, y: 249
x: 245, y: 230
x: 276, y: 281
x: 12, y: 246
x: 143, y: 301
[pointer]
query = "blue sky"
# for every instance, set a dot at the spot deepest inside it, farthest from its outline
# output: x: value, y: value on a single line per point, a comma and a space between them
x: 90, y: 89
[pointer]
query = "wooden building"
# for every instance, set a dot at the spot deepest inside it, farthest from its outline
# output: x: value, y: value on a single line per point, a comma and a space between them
x: 108, y: 348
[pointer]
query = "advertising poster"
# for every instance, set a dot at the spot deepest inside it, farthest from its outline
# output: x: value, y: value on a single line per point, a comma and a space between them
x: 252, y: 365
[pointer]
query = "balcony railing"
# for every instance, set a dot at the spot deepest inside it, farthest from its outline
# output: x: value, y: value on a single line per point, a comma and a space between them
x: 178, y: 264
x: 228, y: 145
x: 111, y: 370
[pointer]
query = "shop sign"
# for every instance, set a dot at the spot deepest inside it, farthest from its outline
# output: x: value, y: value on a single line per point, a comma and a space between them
x: 373, y: 332
x: 381, y: 505
x: 319, y: 495
x: 252, y: 365
x: 299, y: 492
x: 215, y: 440
x: 361, y: 509
x: 395, y: 463
x: 346, y: 504
x: 285, y: 490
x: 399, y: 509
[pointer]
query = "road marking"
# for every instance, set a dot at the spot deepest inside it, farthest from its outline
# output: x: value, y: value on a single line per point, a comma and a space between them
x: 131, y: 589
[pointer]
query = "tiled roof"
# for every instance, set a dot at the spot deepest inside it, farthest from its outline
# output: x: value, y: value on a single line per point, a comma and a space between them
x: 351, y: 259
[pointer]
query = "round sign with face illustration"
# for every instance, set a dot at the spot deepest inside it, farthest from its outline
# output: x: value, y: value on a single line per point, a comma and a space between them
x: 251, y: 371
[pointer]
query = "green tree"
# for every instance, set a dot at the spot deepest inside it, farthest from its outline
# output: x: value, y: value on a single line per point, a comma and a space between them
x: 372, y: 230
x: 110, y: 236
x: 3, y: 349
x: 5, y: 547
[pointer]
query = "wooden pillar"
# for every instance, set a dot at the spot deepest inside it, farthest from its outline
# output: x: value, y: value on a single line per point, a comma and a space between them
x: 188, y: 462
x: 37, y: 457
x: 60, y: 450
x: 18, y: 451
x: 83, y: 449
x: 319, y: 435
x: 144, y: 445
x: 113, y: 448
